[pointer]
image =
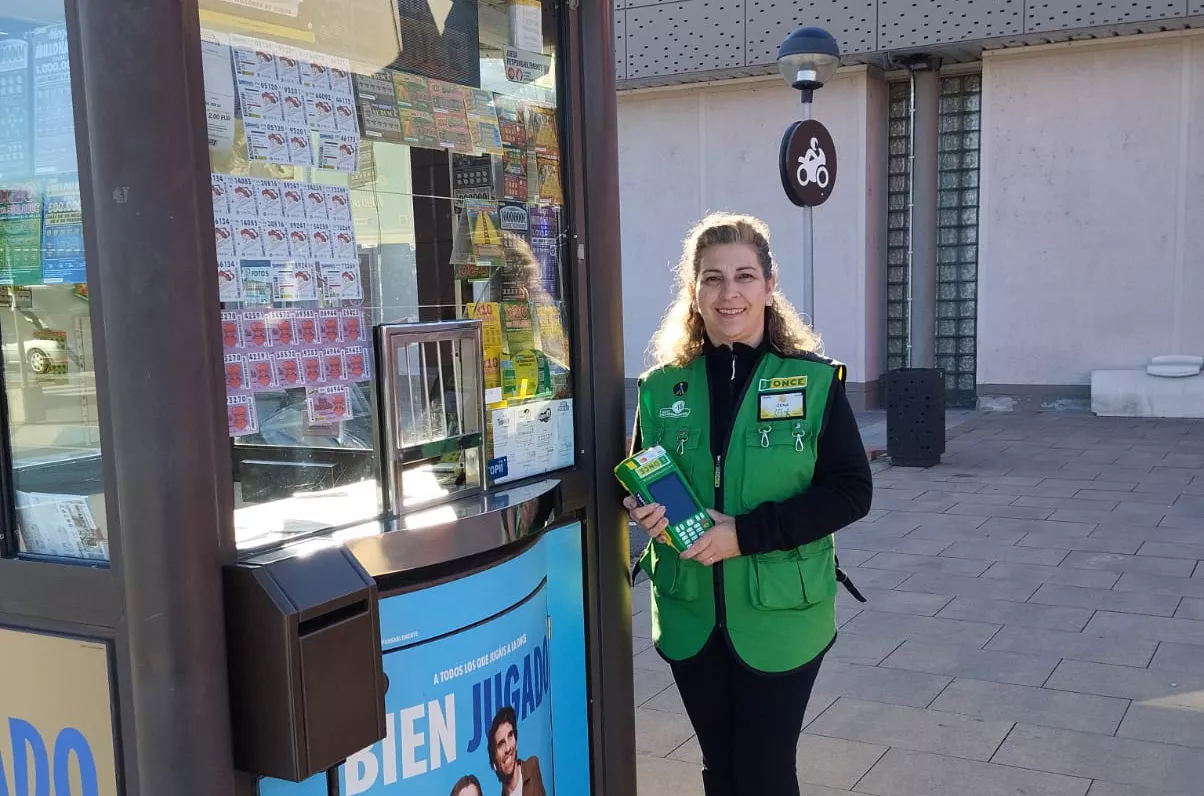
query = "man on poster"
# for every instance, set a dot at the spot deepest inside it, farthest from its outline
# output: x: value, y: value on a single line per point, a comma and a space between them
x: 518, y: 777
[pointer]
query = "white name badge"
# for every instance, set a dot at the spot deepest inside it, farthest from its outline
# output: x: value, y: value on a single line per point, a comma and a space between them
x: 783, y: 405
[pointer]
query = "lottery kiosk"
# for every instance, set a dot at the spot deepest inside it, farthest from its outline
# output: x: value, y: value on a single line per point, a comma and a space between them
x: 310, y: 312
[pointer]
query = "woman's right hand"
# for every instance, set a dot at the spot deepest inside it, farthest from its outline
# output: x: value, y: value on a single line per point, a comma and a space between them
x: 650, y: 517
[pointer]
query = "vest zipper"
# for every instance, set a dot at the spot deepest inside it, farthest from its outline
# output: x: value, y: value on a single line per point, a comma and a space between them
x: 737, y: 398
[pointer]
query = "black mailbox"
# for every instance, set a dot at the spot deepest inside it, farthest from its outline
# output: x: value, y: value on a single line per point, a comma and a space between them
x: 306, y: 675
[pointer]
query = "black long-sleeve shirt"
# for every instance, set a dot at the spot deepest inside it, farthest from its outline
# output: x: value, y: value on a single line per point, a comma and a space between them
x: 841, y: 486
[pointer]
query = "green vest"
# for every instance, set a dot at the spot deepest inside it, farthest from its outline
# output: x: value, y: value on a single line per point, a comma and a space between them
x: 779, y: 608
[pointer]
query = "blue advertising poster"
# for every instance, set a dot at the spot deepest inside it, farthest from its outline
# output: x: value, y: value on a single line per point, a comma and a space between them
x: 53, y: 113
x: 62, y: 232
x: 467, y: 714
x: 16, y: 149
x: 486, y: 692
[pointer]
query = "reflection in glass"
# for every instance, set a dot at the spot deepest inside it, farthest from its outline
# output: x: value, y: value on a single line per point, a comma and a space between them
x: 45, y: 320
x: 377, y: 162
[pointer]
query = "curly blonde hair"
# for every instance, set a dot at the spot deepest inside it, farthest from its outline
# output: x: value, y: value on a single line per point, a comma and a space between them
x: 681, y: 334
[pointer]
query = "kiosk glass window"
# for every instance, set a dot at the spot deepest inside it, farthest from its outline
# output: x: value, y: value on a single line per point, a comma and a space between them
x: 45, y: 321
x: 381, y: 162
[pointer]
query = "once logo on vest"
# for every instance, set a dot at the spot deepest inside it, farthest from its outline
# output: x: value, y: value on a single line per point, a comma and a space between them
x: 788, y: 383
x: 678, y: 409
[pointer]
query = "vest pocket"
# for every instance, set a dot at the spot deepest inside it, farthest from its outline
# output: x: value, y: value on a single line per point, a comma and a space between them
x: 672, y: 577
x: 779, y: 458
x: 782, y: 581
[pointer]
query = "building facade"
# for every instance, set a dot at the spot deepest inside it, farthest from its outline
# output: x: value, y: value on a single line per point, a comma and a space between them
x: 1019, y: 192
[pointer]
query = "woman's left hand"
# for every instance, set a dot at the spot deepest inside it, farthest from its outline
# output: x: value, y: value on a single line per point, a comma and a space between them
x: 716, y: 544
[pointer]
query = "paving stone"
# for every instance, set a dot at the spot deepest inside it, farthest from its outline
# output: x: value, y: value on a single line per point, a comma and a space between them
x: 1160, y: 584
x: 834, y: 762
x: 656, y: 776
x: 1186, y: 460
x: 858, y: 648
x: 1194, y: 552
x: 1123, y: 513
x: 1115, y: 562
x: 1170, y: 491
x: 986, y: 588
x: 874, y: 514
x: 1040, y: 526
x: 898, y: 522
x: 1007, y: 512
x: 846, y: 610
x: 649, y: 683
x: 667, y: 700
x: 973, y: 497
x: 641, y: 625
x: 851, y: 557
x: 920, y: 504
x: 1031, y: 491
x: 1103, y: 544
x: 964, y: 661
x: 1130, y: 602
x: 1100, y: 757
x: 650, y: 660
x: 924, y: 628
x: 1179, y: 657
x: 659, y: 733
x: 905, y: 773
x: 1077, y: 646
x: 1179, y: 476
x: 898, y: 493
x: 1101, y: 788
x: 875, y: 684
x: 996, y: 551
x: 865, y: 577
x: 1131, y: 626
x: 939, y: 564
x: 1173, y: 724
x: 898, y: 544
x: 912, y: 728
x: 1125, y: 682
x: 899, y: 602
x: 1190, y: 608
x: 937, y: 520
x: 1183, y: 523
x: 1089, y: 483
x: 1161, y: 496
x: 1066, y: 503
x: 1066, y: 576
x: 825, y: 762
x: 641, y: 597
x: 953, y: 533
x: 961, y: 486
x: 1041, y: 706
x: 1004, y: 612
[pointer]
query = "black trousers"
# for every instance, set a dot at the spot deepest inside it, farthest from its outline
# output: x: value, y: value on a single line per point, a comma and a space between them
x: 748, y: 724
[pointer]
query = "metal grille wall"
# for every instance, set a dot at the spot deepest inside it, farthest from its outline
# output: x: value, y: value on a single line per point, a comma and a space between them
x: 957, y: 237
x: 898, y: 226
x: 957, y: 233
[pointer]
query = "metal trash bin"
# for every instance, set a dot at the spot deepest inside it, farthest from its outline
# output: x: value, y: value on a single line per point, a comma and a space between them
x: 915, y: 416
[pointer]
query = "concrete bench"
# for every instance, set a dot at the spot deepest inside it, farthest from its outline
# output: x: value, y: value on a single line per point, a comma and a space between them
x: 1135, y: 393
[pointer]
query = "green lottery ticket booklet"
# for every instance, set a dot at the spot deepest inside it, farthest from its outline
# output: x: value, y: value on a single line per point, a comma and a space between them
x: 651, y: 476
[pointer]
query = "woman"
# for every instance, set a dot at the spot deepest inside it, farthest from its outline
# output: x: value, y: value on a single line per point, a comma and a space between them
x: 762, y: 429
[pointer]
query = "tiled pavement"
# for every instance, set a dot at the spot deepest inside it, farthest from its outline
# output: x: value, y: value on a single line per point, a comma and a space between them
x: 1035, y: 624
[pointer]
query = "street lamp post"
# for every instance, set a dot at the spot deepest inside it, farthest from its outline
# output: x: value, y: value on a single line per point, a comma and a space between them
x: 807, y: 60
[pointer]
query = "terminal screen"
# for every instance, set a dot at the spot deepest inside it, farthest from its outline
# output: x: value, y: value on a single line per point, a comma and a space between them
x: 671, y: 493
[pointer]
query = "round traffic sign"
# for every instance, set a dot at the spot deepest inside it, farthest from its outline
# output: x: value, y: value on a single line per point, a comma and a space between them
x: 808, y: 163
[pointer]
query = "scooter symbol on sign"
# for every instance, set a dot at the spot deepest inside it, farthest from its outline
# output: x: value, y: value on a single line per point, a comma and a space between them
x: 813, y: 166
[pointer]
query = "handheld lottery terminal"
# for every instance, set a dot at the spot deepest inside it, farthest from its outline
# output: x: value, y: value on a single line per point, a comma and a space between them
x: 651, y: 476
